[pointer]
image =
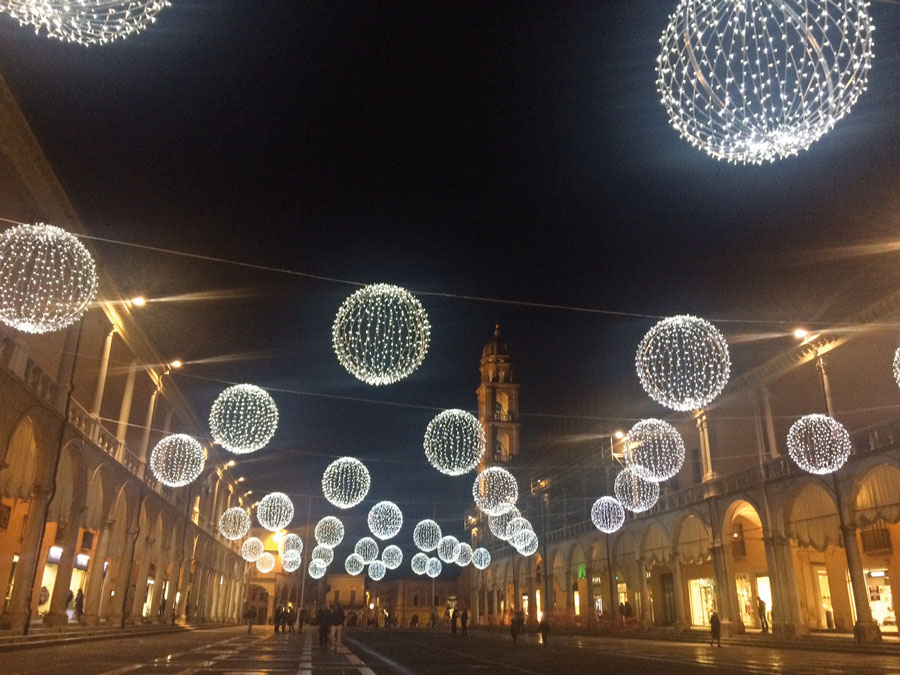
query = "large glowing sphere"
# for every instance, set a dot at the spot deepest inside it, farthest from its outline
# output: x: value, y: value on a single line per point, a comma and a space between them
x: 654, y: 450
x: 317, y: 568
x: 243, y: 418
x: 291, y: 561
x: 465, y: 554
x: 323, y: 553
x: 392, y: 557
x: 177, y: 460
x: 818, y: 444
x: 896, y: 366
x: 515, y: 526
x: 448, y: 549
x: 275, y: 511
x: 481, y: 558
x: 498, y: 524
x: 265, y: 563
x: 495, y: 491
x: 329, y: 532
x: 454, y: 442
x: 635, y: 493
x: 607, y: 514
x: 346, y: 482
x: 234, y: 523
x: 367, y: 549
x: 526, y: 542
x: 251, y: 549
x: 418, y: 563
x: 354, y: 564
x: 290, y: 543
x: 385, y: 520
x: 426, y: 535
x: 377, y: 570
x: 433, y: 567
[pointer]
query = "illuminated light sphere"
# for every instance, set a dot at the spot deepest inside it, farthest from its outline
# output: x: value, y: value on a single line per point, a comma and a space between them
x: 275, y: 511
x: 607, y: 514
x: 354, y: 564
x: 85, y: 22
x: 454, y: 442
x: 251, y: 549
x: 265, y: 563
x: 243, y: 419
x: 392, y: 557
x: 498, y: 524
x: 329, y: 532
x: 418, y: 563
x: 177, y: 460
x: 897, y: 367
x: 291, y: 561
x: 527, y: 543
x: 426, y: 535
x: 323, y: 553
x: 818, y: 444
x: 635, y: 493
x: 433, y: 567
x: 683, y: 362
x: 290, y: 543
x: 448, y: 549
x: 481, y: 558
x: 654, y: 450
x: 317, y: 569
x: 495, y: 491
x: 367, y: 549
x: 465, y: 554
x: 346, y: 482
x: 381, y: 334
x: 47, y: 278
x: 754, y: 81
x: 234, y: 523
x: 377, y: 570
x: 516, y: 525
x: 385, y: 520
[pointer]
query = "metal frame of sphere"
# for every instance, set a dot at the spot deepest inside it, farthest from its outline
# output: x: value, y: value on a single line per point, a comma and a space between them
x: 418, y: 563
x: 607, y: 514
x: 377, y: 570
x: 454, y: 442
x: 290, y: 543
x: 896, y: 367
x: 252, y: 548
x: 527, y: 543
x: 498, y: 524
x: 654, y: 450
x: 392, y: 556
x: 448, y: 549
x: 818, y: 444
x: 433, y: 567
x: 265, y: 563
x: 495, y: 491
x: 234, y: 523
x: 329, y: 532
x: 481, y: 558
x: 465, y: 554
x: 177, y: 460
x: 243, y: 419
x: 635, y: 493
x: 291, y: 561
x: 515, y: 526
x: 385, y: 520
x: 275, y: 511
x: 367, y: 549
x: 323, y: 553
x: 427, y: 535
x: 346, y: 482
x: 317, y: 569
x: 354, y: 564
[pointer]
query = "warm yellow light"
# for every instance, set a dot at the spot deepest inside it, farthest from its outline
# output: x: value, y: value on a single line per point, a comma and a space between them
x: 241, y: 479
x: 139, y: 301
x: 800, y: 333
x: 177, y: 363
x: 371, y: 605
x: 619, y: 434
x: 577, y: 603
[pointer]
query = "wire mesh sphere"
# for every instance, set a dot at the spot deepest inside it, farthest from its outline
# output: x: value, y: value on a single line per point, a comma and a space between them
x: 234, y: 523
x: 354, y: 564
x: 818, y: 444
x: 346, y: 482
x: 392, y: 557
x: 426, y: 535
x: 317, y: 569
x: 683, y: 362
x: 177, y: 460
x: 495, y: 491
x: 525, y: 542
x: 454, y: 442
x: 433, y: 567
x: 243, y: 418
x: 516, y: 525
x: 755, y: 81
x: 275, y: 511
x: 635, y: 493
x: 498, y: 524
x: 367, y: 549
x: 418, y: 563
x: 291, y: 561
x: 323, y: 553
x: 448, y: 549
x: 654, y: 450
x: 896, y: 367
x: 377, y: 570
x: 481, y: 558
x: 381, y: 334
x: 607, y: 514
x: 47, y: 278
x: 265, y: 563
x: 251, y: 549
x: 465, y: 554
x: 85, y: 22
x: 385, y: 520
x: 291, y: 543
x: 329, y: 532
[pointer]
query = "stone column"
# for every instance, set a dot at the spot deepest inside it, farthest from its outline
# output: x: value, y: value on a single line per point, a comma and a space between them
x: 723, y: 596
x: 57, y: 615
x: 198, y: 592
x: 705, y: 455
x: 866, y: 629
x: 140, y: 581
x: 646, y: 619
x: 589, y: 599
x: 125, y: 409
x: 158, y: 583
x: 148, y: 426
x: 681, y: 622
x: 570, y: 597
x: 101, y: 375
x: 125, y: 579
x: 787, y: 623
x: 766, y: 401
x: 184, y: 588
x: 91, y: 616
x: 17, y: 611
x: 732, y: 594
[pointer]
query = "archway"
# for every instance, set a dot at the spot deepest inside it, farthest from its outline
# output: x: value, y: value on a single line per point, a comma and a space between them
x: 692, y: 542
x: 579, y: 581
x: 558, y: 589
x: 656, y: 553
x: 628, y: 583
x: 749, y: 583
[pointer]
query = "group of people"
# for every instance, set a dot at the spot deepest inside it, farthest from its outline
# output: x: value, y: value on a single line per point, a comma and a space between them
x: 285, y: 617
x: 457, y: 618
x: 517, y: 627
x: 331, y: 625
x: 75, y: 604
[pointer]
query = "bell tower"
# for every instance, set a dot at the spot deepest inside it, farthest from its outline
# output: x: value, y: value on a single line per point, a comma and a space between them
x: 498, y: 402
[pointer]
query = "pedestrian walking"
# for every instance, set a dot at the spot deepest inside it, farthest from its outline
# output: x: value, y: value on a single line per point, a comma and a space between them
x: 292, y: 618
x: 544, y: 628
x: 454, y: 621
x: 761, y: 611
x: 277, y: 619
x: 464, y: 621
x: 304, y: 617
x: 79, y: 605
x: 433, y: 618
x: 250, y: 618
x: 337, y: 625
x: 628, y: 610
x: 323, y: 616
x: 514, y: 628
x: 715, y: 630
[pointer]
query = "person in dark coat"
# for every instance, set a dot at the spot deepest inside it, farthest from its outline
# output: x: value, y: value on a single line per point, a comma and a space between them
x: 544, y: 628
x: 337, y: 625
x: 454, y: 621
x: 304, y: 618
x: 278, y: 618
x: 761, y: 611
x: 250, y: 618
x: 514, y: 628
x: 79, y: 605
x: 464, y: 621
x: 323, y: 616
x: 715, y: 630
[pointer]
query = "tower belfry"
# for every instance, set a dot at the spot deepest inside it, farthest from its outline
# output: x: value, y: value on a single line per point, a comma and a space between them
x: 498, y: 402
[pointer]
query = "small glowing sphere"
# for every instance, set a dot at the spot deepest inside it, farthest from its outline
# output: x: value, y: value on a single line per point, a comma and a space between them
x: 47, y: 277
x: 498, y: 524
x: 454, y: 442
x: 392, y: 557
x: 385, y: 520
x: 635, y: 493
x: 317, y: 569
x: 291, y: 543
x: 251, y: 549
x: 381, y: 334
x: 291, y: 561
x: 418, y: 563
x: 897, y: 367
x: 448, y: 549
x: 495, y: 491
x: 367, y: 549
x: 426, y: 535
x: 683, y: 362
x: 481, y: 558
x: 243, y: 418
x: 346, y: 482
x: 465, y: 554
x: 323, y: 553
x: 607, y: 514
x: 329, y: 532
x: 377, y: 570
x: 354, y: 564
x: 234, y: 523
x: 516, y: 525
x: 526, y: 542
x: 818, y: 444
x: 265, y: 563
x: 654, y: 450
x: 275, y: 511
x: 177, y: 460
x: 433, y: 567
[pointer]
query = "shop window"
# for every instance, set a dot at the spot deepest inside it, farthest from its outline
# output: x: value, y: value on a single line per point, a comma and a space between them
x: 87, y: 541
x: 876, y: 538
x: 738, y: 544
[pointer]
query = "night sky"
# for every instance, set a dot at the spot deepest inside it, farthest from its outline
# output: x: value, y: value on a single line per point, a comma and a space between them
x: 499, y: 149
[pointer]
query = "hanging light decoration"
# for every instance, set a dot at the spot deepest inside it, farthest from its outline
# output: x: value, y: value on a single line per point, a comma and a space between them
x: 317, y: 569
x: 481, y: 558
x: 526, y: 543
x: 654, y: 450
x: 346, y: 482
x: 683, y: 362
x: 329, y: 532
x: 454, y: 442
x: 418, y: 563
x: 275, y: 511
x: 516, y: 525
x: 818, y: 444
x: 265, y: 563
x: 234, y: 523
x: 897, y: 367
x: 498, y: 524
x: 251, y: 549
x: 381, y: 334
x: 377, y: 570
x: 243, y: 418
x: 755, y: 81
x: 385, y: 520
x: 177, y: 460
x: 392, y: 557
x: 433, y: 567
x: 426, y: 535
x: 291, y: 561
x: 290, y: 543
x: 448, y: 549
x: 635, y: 493
x: 607, y: 514
x: 495, y: 491
x: 323, y: 553
x: 367, y: 549
x: 354, y: 564
x: 465, y: 554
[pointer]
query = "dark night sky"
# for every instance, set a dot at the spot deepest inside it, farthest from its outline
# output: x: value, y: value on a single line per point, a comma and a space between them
x: 513, y: 150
